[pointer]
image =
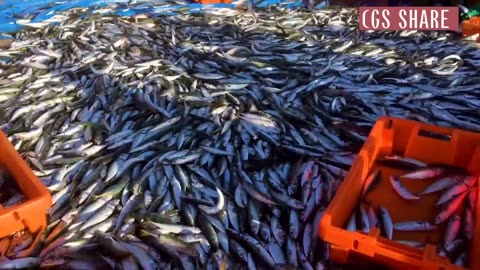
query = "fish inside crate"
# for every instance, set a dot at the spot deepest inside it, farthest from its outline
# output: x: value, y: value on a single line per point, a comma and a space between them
x: 409, y: 200
x: 432, y: 204
x: 11, y: 194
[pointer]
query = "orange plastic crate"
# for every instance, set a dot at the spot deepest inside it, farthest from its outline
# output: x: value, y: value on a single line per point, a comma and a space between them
x: 471, y: 27
x: 30, y: 214
x: 401, y: 137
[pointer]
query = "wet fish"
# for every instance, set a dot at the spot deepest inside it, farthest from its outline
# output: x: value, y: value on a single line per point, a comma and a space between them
x: 402, y: 161
x: 450, y: 208
x: 472, y: 197
x: 414, y: 226
x: 352, y: 223
x: 467, y: 223
x: 425, y: 173
x: 372, y: 217
x: 412, y: 243
x: 364, y: 221
x: 452, y: 229
x: 461, y: 260
x: 459, y: 188
x: 386, y: 222
x: 371, y: 181
x: 401, y: 190
x: 452, y: 247
x: 439, y: 185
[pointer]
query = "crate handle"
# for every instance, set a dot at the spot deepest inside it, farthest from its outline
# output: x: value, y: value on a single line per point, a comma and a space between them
x: 435, y: 135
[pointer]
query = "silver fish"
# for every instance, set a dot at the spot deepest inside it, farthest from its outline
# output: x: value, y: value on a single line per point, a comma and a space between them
x: 452, y: 229
x: 461, y: 187
x: 401, y: 190
x: 439, y: 185
x: 386, y: 222
x: 414, y: 226
x: 452, y: 247
x: 364, y: 221
x: 450, y: 208
x: 372, y: 217
x: 425, y: 173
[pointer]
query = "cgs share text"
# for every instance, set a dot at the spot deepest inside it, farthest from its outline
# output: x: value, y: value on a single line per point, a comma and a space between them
x: 408, y: 18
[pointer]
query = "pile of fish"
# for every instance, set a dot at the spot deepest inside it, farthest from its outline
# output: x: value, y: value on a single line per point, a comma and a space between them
x: 210, y: 140
x: 457, y: 206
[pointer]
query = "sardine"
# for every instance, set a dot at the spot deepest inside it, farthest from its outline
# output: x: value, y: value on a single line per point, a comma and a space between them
x: 401, y: 161
x: 450, y: 208
x: 452, y: 229
x: 386, y: 222
x: 364, y: 221
x: 401, y: 190
x: 414, y: 226
x: 439, y: 185
x: 459, y: 188
x: 371, y: 181
x: 425, y: 173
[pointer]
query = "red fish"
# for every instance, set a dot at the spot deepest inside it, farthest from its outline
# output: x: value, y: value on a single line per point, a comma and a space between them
x: 468, y: 223
x: 453, y: 227
x: 456, y: 189
x: 472, y: 197
x: 450, y: 208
